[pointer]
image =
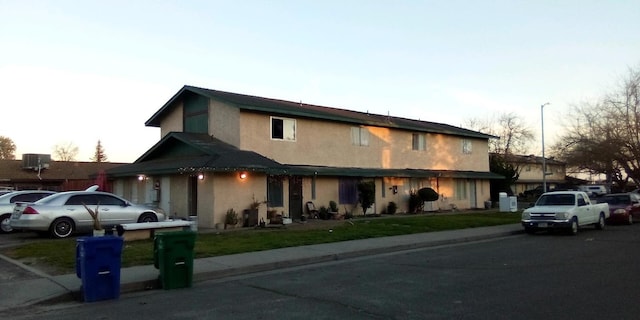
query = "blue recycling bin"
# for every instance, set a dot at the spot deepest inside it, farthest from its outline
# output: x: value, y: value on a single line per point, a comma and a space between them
x: 98, y: 261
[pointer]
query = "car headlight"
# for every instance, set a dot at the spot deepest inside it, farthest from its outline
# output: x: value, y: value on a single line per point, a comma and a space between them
x: 619, y: 211
x: 526, y: 215
x: 561, y: 216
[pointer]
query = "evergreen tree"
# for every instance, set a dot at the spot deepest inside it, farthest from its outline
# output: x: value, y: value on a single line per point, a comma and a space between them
x: 99, y: 155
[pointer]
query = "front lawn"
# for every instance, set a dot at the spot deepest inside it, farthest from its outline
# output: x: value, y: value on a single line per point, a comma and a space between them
x: 59, y: 255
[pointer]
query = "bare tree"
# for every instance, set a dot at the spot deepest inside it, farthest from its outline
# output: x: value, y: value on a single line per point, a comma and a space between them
x: 514, y: 135
x: 604, y: 137
x: 65, y: 152
x: 99, y: 155
x: 7, y: 148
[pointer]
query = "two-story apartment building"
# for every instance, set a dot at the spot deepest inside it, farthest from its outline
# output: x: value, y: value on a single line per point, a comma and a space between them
x: 531, y: 172
x: 221, y: 150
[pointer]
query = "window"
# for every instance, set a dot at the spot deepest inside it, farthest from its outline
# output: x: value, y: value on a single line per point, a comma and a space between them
x: 275, y: 191
x: 348, y: 191
x: 283, y: 129
x: 466, y: 146
x: 419, y: 142
x: 461, y: 189
x: 359, y: 136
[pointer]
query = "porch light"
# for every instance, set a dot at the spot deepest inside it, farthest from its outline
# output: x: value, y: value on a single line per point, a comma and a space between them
x: 243, y: 175
x: 200, y: 176
x: 140, y: 177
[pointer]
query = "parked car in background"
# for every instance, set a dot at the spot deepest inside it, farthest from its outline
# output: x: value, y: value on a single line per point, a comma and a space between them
x: 594, y: 190
x: 8, y: 200
x: 64, y: 213
x: 624, y: 207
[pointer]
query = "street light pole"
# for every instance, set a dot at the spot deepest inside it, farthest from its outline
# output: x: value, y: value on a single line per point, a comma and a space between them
x: 544, y: 160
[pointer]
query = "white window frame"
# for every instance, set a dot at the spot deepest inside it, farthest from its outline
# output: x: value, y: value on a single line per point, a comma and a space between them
x: 467, y: 146
x: 288, y: 129
x: 460, y: 189
x: 360, y: 136
x: 421, y: 144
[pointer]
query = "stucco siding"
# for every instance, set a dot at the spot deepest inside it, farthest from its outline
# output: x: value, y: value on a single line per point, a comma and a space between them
x: 224, y: 122
x: 329, y: 144
x: 173, y: 121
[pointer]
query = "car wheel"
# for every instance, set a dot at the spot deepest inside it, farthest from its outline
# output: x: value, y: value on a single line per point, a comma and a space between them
x: 148, y: 217
x: 574, y: 226
x: 5, y: 227
x: 62, y: 228
x: 600, y: 223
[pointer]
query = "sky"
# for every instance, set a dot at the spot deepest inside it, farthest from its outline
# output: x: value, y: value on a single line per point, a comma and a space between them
x: 79, y: 72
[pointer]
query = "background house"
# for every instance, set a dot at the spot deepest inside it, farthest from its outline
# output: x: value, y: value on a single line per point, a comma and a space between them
x: 39, y: 172
x: 531, y: 172
x: 220, y: 150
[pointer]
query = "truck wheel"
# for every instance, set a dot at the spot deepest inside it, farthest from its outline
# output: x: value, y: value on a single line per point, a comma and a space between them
x: 574, y: 226
x: 600, y: 223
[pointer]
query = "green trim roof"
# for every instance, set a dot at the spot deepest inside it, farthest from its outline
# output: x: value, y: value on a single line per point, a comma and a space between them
x: 303, y: 110
x: 185, y: 153
x: 380, y: 172
x: 196, y: 153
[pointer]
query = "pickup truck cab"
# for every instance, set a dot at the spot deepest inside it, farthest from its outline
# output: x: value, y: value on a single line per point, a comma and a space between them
x: 567, y: 210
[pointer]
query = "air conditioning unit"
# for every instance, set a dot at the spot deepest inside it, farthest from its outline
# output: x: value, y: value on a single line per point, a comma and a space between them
x: 34, y: 161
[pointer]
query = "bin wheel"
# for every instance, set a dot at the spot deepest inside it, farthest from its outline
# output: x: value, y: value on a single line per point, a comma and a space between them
x: 62, y: 228
x: 148, y: 217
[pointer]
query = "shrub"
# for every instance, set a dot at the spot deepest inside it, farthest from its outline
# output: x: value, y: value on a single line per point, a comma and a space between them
x: 366, y: 194
x: 392, y: 208
x: 323, y: 213
x: 231, y: 218
x: 415, y: 203
x: 428, y: 194
x: 333, y: 206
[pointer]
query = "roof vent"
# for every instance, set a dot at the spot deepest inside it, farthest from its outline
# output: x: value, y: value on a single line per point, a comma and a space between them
x: 34, y: 161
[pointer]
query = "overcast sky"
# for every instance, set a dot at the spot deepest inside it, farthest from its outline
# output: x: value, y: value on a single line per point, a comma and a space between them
x: 82, y: 71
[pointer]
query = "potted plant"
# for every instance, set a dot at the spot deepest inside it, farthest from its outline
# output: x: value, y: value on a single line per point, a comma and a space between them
x: 97, y: 226
x: 333, y: 209
x: 231, y: 218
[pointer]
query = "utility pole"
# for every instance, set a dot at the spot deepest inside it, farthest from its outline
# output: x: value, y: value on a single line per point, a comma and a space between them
x: 544, y: 160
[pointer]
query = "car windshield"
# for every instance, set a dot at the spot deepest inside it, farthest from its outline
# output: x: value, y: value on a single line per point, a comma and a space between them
x: 556, y: 200
x: 616, y: 199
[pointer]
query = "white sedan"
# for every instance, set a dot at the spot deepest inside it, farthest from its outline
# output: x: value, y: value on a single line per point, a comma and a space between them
x: 64, y: 213
x: 8, y: 200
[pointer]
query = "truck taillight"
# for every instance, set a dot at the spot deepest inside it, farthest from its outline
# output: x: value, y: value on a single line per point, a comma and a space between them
x: 29, y: 210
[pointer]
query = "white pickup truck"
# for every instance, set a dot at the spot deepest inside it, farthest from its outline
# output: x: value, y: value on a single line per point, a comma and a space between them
x: 564, y: 210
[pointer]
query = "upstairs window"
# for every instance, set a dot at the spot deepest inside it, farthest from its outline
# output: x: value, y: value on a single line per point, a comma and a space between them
x: 419, y: 142
x: 466, y: 146
x: 283, y: 129
x: 359, y: 136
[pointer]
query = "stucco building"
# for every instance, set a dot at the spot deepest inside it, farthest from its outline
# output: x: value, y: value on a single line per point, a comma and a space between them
x: 220, y: 150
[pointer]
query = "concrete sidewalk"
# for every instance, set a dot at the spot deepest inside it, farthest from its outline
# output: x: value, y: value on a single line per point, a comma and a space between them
x: 43, y: 288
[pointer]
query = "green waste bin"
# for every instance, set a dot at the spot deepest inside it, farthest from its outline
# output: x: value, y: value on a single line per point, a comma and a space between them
x: 173, y: 255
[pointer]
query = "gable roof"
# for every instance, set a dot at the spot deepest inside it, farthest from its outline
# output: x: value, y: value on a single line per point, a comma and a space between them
x: 181, y: 152
x: 303, y: 110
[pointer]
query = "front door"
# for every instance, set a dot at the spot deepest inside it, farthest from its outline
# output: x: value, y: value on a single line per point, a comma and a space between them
x: 473, y: 201
x: 295, y: 197
x: 193, y: 196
